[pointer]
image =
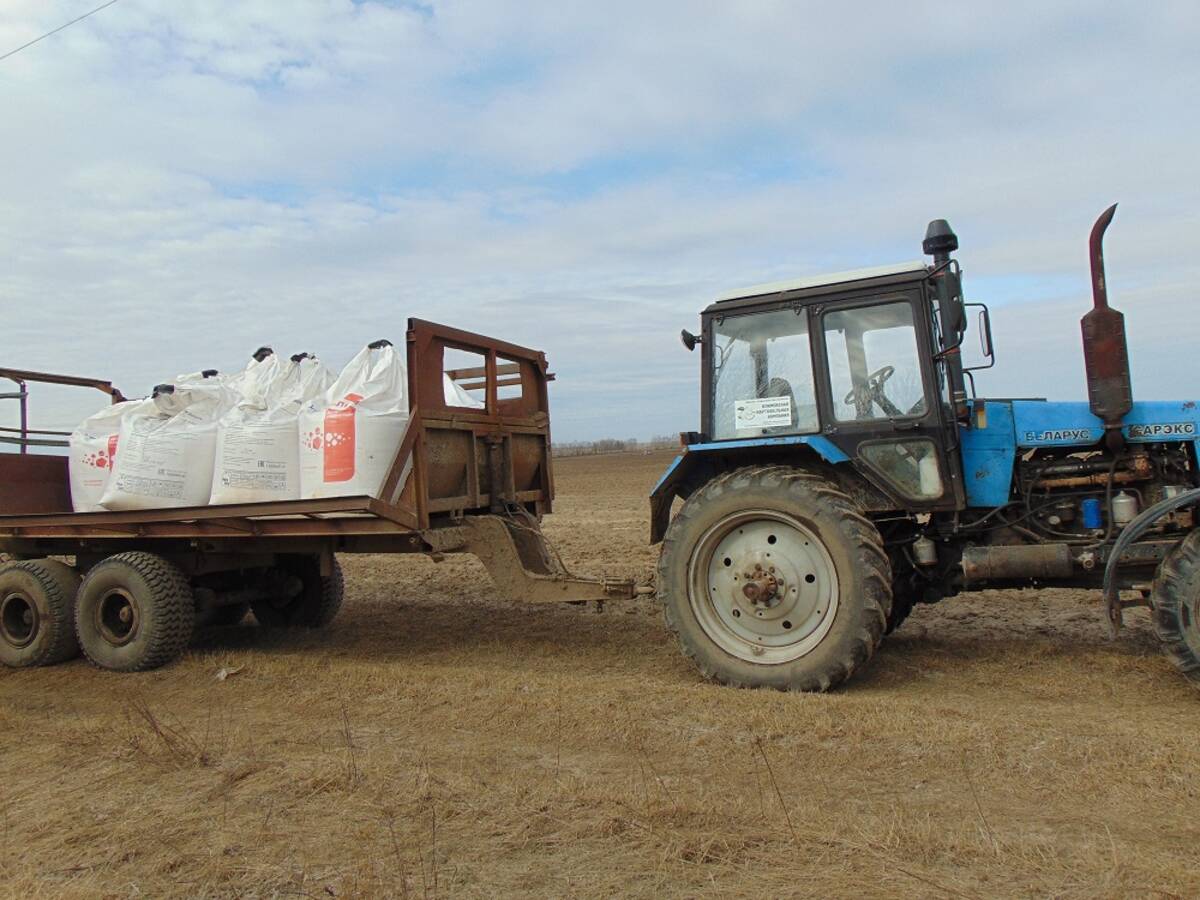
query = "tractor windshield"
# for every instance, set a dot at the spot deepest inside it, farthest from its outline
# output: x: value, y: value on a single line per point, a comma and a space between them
x: 762, y: 376
x: 874, y: 363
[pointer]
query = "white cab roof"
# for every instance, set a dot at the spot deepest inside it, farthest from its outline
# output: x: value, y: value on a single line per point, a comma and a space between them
x: 777, y: 287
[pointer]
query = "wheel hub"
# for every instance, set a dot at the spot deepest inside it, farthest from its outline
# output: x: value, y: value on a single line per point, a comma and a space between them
x: 761, y: 587
x: 117, y: 617
x: 764, y: 587
x: 18, y: 619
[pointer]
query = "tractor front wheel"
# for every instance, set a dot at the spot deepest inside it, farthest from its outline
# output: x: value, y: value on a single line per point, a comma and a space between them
x: 1175, y: 600
x: 770, y: 577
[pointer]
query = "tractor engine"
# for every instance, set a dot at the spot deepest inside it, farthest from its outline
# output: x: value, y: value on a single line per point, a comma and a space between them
x: 1091, y: 495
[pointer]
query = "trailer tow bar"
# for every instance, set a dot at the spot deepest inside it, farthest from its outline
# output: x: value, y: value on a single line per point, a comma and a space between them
x: 521, y: 564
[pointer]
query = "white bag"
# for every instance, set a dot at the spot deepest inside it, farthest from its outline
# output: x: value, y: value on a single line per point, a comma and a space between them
x: 258, y: 441
x: 303, y: 378
x: 93, y: 447
x: 349, y: 437
x: 204, y: 376
x: 231, y: 380
x: 458, y: 396
x: 167, y: 449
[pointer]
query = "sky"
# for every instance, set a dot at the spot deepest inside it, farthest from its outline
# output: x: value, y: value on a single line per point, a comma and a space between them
x: 183, y: 181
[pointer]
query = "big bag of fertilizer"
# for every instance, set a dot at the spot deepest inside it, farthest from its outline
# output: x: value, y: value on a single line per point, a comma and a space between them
x: 93, y: 448
x: 167, y: 449
x: 231, y: 380
x: 458, y: 396
x: 349, y: 437
x: 258, y: 441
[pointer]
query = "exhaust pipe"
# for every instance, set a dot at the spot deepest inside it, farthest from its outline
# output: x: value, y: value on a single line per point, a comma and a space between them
x: 1105, y: 350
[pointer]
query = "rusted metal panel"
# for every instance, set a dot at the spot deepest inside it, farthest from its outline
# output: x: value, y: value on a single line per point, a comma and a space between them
x: 31, y: 484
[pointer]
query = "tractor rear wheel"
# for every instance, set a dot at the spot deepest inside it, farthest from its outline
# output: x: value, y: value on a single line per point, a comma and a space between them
x: 904, y: 598
x: 37, y: 613
x: 770, y: 577
x: 1175, y: 600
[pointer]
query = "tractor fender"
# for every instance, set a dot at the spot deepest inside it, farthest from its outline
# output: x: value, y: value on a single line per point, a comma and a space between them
x: 700, y: 462
x: 1131, y: 533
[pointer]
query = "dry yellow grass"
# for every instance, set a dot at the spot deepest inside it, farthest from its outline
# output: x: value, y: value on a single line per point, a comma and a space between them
x: 438, y: 741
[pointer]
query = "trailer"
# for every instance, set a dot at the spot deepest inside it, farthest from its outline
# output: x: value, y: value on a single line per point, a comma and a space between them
x: 135, y: 585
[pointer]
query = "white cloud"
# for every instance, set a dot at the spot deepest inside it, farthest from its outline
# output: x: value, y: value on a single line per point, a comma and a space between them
x: 179, y: 183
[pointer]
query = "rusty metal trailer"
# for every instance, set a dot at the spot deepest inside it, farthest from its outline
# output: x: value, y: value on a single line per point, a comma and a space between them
x: 463, y: 480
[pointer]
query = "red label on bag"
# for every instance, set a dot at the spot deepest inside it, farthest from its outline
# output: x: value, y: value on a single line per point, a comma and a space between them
x: 339, y: 439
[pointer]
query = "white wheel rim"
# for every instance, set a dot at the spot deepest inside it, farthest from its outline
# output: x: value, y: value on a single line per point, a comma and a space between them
x: 763, y: 587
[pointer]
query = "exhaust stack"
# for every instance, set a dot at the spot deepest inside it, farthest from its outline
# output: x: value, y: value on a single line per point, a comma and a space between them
x: 1105, y: 351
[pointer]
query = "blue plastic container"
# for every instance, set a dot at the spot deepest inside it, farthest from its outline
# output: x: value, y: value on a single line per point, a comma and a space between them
x: 1092, y: 511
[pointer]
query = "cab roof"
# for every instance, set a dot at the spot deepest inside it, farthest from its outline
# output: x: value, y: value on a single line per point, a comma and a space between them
x: 832, y: 278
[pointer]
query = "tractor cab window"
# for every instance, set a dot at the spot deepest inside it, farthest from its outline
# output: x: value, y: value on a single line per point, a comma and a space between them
x: 762, y: 376
x: 874, y: 366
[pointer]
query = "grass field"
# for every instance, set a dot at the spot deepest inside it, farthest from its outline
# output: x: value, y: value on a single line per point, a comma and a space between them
x: 438, y: 741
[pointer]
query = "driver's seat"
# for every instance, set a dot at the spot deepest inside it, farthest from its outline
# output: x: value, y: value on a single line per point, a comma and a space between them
x: 781, y: 387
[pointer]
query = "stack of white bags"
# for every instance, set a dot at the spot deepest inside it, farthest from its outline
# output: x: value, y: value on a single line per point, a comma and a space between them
x: 273, y: 431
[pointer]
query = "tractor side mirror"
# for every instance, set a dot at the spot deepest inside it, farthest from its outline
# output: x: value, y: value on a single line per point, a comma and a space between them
x: 986, y: 347
x: 985, y: 333
x: 690, y: 340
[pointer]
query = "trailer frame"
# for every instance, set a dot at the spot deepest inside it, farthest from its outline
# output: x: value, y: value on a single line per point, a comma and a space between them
x: 463, y: 480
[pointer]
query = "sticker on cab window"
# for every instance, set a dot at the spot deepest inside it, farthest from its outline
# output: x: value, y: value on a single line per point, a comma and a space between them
x: 764, y: 412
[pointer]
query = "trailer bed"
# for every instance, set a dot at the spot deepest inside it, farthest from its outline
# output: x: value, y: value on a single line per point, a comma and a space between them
x: 452, y: 462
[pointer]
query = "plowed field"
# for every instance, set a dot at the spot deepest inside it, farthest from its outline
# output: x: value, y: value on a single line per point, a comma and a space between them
x: 439, y: 741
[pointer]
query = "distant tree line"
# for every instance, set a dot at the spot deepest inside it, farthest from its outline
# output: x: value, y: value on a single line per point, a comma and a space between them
x: 614, y: 445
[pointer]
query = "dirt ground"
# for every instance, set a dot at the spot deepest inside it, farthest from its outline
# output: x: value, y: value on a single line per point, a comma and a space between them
x: 438, y: 741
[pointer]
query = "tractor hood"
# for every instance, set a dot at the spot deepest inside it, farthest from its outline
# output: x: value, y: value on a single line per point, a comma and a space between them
x: 1038, y: 423
x: 999, y: 428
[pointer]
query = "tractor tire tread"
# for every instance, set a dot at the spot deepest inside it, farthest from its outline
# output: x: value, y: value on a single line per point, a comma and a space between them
x: 1178, y: 579
x: 872, y: 560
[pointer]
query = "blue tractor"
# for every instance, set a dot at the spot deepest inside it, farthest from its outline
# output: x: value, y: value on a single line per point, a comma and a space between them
x: 845, y: 471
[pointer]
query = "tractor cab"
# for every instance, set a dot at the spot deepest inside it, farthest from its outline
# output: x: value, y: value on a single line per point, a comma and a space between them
x: 860, y: 367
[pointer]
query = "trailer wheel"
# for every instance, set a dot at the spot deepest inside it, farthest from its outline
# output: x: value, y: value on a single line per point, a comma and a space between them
x: 37, y: 613
x: 770, y: 577
x: 302, y: 596
x: 1175, y: 600
x: 135, y: 612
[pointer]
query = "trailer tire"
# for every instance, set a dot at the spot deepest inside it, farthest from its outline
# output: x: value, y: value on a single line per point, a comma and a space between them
x: 827, y: 592
x: 316, y: 604
x: 37, y: 613
x: 1175, y: 601
x: 135, y: 612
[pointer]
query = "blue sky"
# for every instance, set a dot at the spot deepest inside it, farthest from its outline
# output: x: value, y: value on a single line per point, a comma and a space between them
x: 181, y: 182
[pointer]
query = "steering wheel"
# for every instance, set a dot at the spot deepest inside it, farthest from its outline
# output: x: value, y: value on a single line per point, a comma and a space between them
x: 872, y: 391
